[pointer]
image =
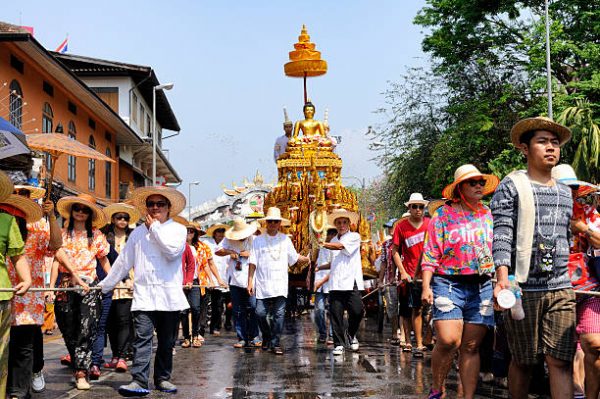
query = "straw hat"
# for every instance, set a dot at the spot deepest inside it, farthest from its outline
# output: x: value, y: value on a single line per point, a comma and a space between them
x: 466, y: 172
x: 197, y: 226
x: 416, y: 198
x: 274, y: 213
x: 6, y: 186
x: 176, y: 198
x: 240, y: 230
x: 210, y: 231
x: 435, y: 204
x: 33, y: 212
x: 121, y: 207
x: 20, y: 182
x: 539, y: 123
x: 183, y: 221
x: 64, y: 208
x: 342, y: 213
x: 565, y: 174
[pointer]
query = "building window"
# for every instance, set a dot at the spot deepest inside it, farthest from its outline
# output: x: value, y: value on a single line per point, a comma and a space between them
x: 48, y: 88
x: 15, y: 104
x: 108, y: 180
x: 92, y: 167
x: 141, y: 125
x: 71, y: 160
x: 72, y: 108
x: 47, y: 120
x: 148, y: 126
x: 17, y: 64
x: 134, y: 105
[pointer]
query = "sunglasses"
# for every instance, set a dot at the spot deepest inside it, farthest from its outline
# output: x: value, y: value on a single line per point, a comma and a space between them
x: 23, y: 192
x: 191, y: 231
x: 273, y: 221
x: 81, y: 208
x: 158, y: 204
x: 480, y: 182
x: 415, y: 206
x: 122, y: 216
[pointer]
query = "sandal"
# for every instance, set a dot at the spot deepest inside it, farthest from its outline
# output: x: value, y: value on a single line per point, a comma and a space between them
x: 196, y: 342
x: 186, y: 343
x: 239, y: 344
x: 407, y: 348
x: 418, y: 352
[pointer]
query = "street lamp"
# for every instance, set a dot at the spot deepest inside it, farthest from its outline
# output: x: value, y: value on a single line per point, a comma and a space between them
x: 194, y: 183
x: 166, y: 86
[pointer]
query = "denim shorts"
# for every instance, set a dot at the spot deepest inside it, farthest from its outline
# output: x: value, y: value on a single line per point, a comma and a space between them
x: 471, y: 302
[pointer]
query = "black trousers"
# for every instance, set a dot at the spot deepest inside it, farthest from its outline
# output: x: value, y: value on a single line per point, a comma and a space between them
x: 351, y: 302
x: 216, y: 312
x: 120, y: 326
x: 20, y: 360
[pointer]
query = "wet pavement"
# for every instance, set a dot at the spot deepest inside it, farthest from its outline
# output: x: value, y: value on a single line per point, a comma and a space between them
x: 306, y: 371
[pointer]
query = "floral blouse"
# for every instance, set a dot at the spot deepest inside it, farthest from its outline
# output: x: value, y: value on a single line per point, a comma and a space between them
x: 203, y: 254
x: 455, y: 240
x: 82, y: 254
x: 29, y: 309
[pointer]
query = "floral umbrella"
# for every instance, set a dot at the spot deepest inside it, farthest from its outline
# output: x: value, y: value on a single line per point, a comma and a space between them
x: 56, y: 144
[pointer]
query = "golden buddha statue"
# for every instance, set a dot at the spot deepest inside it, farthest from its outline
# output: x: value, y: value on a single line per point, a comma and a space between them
x: 310, y: 127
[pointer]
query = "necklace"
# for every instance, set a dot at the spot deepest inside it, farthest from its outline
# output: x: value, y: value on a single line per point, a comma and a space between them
x: 537, y: 213
x: 273, y: 247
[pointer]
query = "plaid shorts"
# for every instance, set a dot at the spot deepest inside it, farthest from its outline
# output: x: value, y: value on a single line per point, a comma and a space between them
x: 547, y: 329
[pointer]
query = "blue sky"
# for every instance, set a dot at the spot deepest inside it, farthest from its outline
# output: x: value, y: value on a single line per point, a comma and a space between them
x: 226, y: 59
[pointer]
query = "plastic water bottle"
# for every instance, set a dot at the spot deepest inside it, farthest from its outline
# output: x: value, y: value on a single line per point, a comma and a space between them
x: 516, y: 312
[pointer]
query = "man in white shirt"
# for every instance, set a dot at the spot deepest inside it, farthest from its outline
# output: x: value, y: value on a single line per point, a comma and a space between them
x: 271, y: 255
x: 345, y: 280
x: 322, y: 286
x: 154, y: 249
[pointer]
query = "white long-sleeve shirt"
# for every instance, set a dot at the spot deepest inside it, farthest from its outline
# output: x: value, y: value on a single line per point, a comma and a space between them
x: 155, y: 255
x: 346, y: 267
x: 272, y: 255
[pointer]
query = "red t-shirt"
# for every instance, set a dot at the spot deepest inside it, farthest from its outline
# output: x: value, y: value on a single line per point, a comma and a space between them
x: 410, y: 243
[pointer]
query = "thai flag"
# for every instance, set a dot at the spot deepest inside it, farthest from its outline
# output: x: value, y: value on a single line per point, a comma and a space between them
x: 64, y: 46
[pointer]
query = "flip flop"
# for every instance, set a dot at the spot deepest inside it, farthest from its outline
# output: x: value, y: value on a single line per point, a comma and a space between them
x: 407, y: 348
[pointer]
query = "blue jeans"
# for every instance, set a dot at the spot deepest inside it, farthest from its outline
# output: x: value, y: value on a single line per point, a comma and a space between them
x: 271, y: 315
x: 166, y: 325
x: 98, y: 347
x: 194, y: 298
x: 320, y: 310
x: 244, y: 310
x: 457, y: 300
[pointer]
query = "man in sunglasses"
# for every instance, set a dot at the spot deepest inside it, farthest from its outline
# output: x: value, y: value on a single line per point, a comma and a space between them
x: 407, y: 249
x: 154, y: 249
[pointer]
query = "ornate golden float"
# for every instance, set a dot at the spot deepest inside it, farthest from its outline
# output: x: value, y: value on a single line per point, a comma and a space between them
x: 309, y: 171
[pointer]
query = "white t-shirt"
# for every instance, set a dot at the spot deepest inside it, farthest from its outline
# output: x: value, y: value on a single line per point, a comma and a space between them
x: 272, y: 255
x: 346, y: 267
x: 325, y: 257
x: 236, y: 277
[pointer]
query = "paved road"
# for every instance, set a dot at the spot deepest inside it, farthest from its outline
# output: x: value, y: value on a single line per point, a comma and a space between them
x: 306, y: 371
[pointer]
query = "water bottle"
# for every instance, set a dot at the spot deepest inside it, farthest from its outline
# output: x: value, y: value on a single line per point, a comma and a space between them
x: 516, y: 312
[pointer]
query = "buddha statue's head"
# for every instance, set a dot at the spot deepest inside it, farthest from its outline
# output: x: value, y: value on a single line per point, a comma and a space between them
x: 309, y: 110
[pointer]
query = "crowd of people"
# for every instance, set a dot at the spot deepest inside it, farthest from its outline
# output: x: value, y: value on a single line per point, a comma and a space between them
x: 513, y: 280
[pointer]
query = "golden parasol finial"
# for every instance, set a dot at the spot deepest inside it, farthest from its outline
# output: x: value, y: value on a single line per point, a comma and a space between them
x: 305, y: 61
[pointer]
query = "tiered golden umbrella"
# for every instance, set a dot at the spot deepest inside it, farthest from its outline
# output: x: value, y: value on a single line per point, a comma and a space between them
x: 56, y: 144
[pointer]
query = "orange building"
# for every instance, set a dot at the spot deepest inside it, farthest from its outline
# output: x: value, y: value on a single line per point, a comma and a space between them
x: 39, y: 94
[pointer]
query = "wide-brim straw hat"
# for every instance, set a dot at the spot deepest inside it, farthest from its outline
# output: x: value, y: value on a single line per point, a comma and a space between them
x: 240, y: 230
x: 539, y: 123
x: 176, y: 198
x: 65, y: 203
x: 120, y: 207
x: 416, y: 198
x: 466, y: 172
x: 210, y: 231
x: 33, y: 212
x: 6, y: 186
x: 342, y: 213
x: 435, y: 204
x: 184, y: 221
x: 565, y: 174
x: 20, y: 182
x: 274, y: 213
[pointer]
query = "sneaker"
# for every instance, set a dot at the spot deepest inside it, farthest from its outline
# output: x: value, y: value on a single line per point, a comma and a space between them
x: 338, y: 350
x: 81, y: 381
x: 94, y: 372
x: 166, y: 386
x: 133, y: 389
x: 112, y: 364
x: 434, y: 394
x: 65, y: 360
x: 121, y: 366
x: 38, y: 383
x: 354, y: 344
